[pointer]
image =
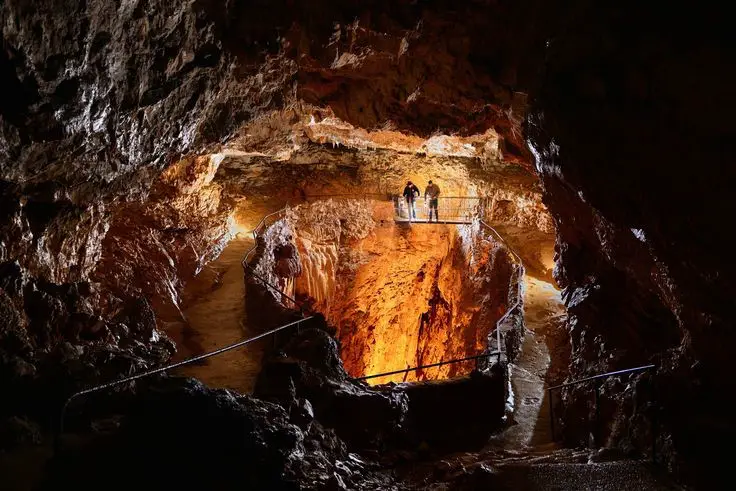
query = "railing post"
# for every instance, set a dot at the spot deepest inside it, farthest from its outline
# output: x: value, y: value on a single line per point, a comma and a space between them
x: 654, y: 422
x: 596, y: 428
x: 551, y: 415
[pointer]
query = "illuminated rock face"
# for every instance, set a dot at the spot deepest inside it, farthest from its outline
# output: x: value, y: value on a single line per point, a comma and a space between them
x: 152, y: 249
x: 414, y: 298
x: 401, y: 296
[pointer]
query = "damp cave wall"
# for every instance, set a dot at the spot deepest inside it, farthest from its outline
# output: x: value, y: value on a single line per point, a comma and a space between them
x: 634, y: 142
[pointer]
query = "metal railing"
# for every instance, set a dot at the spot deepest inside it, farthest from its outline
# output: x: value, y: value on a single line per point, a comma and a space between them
x: 519, y: 294
x: 597, y: 379
x: 264, y: 223
x: 125, y: 380
x: 450, y: 209
x: 432, y: 365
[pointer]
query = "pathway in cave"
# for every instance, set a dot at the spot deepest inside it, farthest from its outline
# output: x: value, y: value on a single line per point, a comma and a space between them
x: 544, y: 312
x: 217, y: 318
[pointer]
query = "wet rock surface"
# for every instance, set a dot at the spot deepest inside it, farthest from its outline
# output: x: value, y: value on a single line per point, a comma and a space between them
x: 640, y: 248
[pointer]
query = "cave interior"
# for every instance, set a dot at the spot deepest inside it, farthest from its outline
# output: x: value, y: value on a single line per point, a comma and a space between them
x: 180, y: 179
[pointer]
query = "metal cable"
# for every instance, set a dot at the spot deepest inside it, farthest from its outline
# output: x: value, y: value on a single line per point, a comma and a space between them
x: 171, y: 366
x: 448, y: 362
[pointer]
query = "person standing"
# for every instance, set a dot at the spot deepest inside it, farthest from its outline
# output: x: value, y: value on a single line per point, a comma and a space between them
x: 433, y: 192
x: 411, y: 192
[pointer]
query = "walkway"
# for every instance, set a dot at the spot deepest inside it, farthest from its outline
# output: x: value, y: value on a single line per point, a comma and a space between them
x: 452, y: 221
x: 543, y: 310
x: 217, y: 319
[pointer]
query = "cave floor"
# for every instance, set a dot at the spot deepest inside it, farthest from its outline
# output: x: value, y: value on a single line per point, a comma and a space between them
x: 217, y: 318
x: 529, y: 424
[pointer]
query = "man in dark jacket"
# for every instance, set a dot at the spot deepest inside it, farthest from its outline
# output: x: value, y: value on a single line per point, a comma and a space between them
x: 411, y: 192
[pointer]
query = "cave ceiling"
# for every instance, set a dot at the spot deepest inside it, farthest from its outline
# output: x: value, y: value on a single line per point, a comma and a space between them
x: 331, y: 156
x: 109, y: 96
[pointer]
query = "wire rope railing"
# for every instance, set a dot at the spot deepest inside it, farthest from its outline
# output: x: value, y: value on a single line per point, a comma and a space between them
x: 265, y: 222
x: 166, y: 368
x: 519, y: 293
x: 430, y: 365
x: 597, y: 380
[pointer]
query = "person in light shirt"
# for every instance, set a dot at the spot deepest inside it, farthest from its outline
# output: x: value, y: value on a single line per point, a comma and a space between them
x: 433, y: 193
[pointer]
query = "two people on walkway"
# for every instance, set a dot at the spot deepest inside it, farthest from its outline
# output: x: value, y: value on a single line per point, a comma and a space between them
x: 432, y: 192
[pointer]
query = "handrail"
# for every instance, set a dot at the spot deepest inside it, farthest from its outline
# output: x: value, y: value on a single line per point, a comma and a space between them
x: 519, y: 294
x: 148, y: 373
x: 246, y: 263
x: 451, y: 209
x: 597, y: 378
x: 438, y: 364
x: 602, y: 375
x: 503, y: 241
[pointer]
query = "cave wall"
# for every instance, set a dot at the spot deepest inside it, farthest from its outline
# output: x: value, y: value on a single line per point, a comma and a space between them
x: 106, y: 96
x: 633, y: 141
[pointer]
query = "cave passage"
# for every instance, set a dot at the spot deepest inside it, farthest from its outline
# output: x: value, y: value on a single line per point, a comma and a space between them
x: 597, y: 134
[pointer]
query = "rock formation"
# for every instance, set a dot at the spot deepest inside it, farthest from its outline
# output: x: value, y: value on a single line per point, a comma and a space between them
x: 399, y: 296
x: 131, y: 132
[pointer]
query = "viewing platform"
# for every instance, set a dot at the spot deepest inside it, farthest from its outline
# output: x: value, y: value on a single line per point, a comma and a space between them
x: 452, y: 210
x: 449, y: 221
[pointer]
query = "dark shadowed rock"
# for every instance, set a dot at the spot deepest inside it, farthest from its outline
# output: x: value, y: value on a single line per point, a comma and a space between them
x: 17, y: 431
x: 217, y: 438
